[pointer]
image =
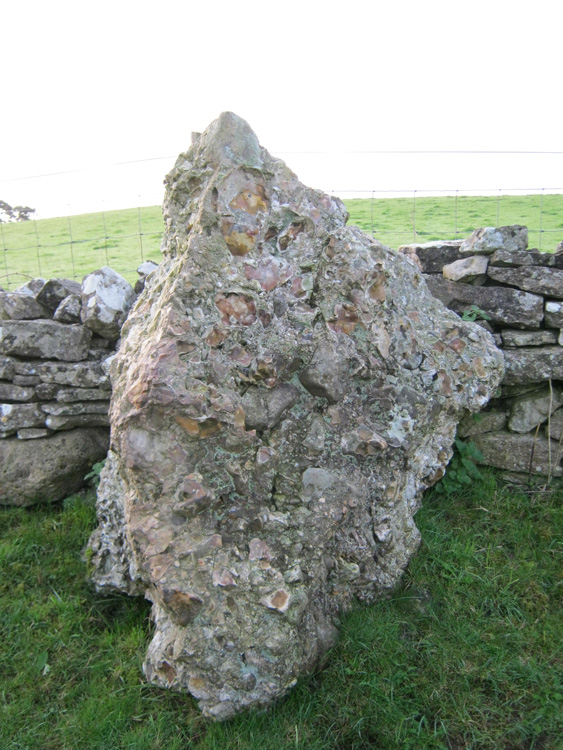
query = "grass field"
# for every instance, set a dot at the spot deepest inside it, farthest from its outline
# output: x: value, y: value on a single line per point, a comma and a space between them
x: 73, y: 246
x: 466, y: 654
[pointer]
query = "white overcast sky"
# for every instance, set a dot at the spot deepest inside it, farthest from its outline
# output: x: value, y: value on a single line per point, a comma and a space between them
x: 89, y: 84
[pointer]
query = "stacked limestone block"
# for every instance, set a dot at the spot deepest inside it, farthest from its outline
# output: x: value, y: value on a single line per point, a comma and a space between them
x: 517, y: 294
x: 55, y: 339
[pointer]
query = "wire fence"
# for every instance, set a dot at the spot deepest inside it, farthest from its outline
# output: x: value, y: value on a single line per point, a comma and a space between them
x: 82, y: 240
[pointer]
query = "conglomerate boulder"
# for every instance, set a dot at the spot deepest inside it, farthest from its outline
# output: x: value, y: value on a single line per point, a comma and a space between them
x: 285, y: 390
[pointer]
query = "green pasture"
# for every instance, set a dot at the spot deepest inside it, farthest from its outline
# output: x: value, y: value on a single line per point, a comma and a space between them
x: 466, y: 654
x: 73, y: 246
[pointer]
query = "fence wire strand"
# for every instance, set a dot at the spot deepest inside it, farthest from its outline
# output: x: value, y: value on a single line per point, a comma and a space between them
x: 40, y: 247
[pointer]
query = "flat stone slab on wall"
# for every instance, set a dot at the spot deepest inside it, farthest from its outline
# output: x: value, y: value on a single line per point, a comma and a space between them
x: 45, y: 339
x: 503, y: 306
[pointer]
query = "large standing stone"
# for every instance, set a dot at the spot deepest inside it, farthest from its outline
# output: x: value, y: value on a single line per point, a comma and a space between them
x: 285, y: 390
x: 45, y: 339
x: 106, y: 299
x: 48, y: 469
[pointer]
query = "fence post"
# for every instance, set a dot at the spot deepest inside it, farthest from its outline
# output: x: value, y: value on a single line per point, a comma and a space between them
x: 5, y: 252
x: 414, y: 215
x: 37, y: 246
x: 105, y: 237
x: 541, y: 217
x: 140, y: 232
x: 71, y: 247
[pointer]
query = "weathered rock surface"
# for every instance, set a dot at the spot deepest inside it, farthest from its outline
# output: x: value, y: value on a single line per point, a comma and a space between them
x: 12, y: 392
x: 20, y: 306
x: 520, y: 453
x: 54, y: 291
x: 285, y: 390
x: 144, y: 271
x: 515, y: 258
x: 7, y: 368
x: 47, y: 470
x: 528, y: 338
x: 504, y: 306
x: 555, y: 427
x: 554, y: 314
x: 15, y: 416
x: 106, y: 299
x: 534, y: 279
x: 45, y: 339
x: 531, y: 410
x: 532, y: 365
x: 69, y: 422
x: 433, y: 256
x: 69, y: 309
x: 31, y: 287
x: 79, y: 374
x: 477, y: 424
x: 487, y: 240
x: 471, y: 270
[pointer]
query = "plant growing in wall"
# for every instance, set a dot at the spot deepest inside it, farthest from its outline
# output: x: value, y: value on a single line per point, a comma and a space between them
x: 474, y: 313
x: 462, y: 470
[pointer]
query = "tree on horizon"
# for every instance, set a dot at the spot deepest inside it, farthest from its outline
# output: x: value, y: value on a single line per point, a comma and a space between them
x: 15, y: 213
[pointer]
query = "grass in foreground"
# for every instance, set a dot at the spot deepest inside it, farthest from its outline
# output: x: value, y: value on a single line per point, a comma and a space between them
x: 74, y: 246
x: 465, y: 654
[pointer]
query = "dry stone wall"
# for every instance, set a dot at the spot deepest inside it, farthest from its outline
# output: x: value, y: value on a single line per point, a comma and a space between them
x: 517, y: 294
x: 56, y: 340
x: 56, y: 337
